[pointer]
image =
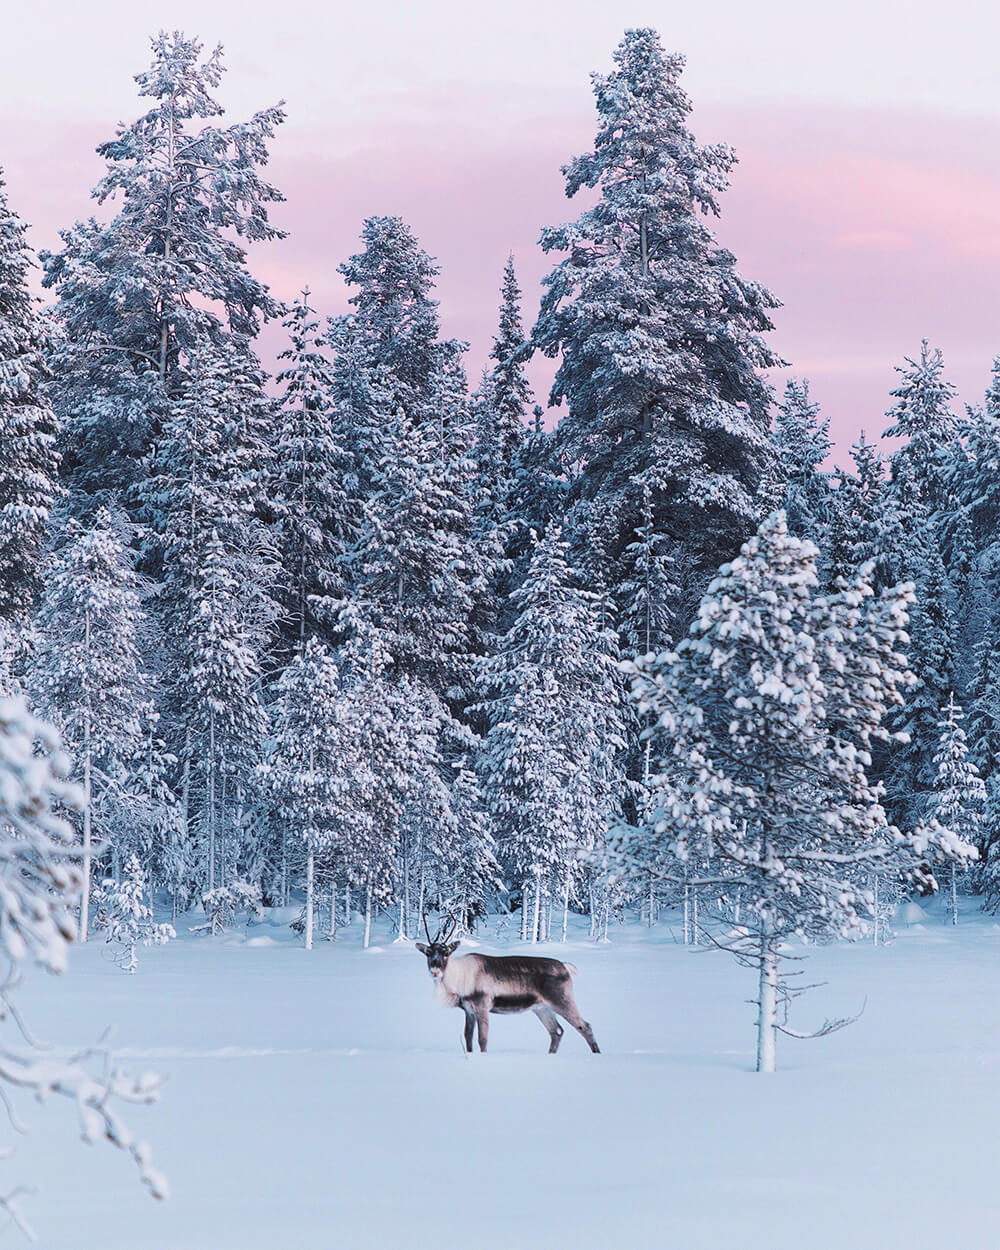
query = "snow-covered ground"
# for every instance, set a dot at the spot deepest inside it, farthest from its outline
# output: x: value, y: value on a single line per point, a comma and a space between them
x: 322, y: 1099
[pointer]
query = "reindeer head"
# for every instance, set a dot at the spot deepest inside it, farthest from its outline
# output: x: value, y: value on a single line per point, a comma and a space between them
x: 438, y: 949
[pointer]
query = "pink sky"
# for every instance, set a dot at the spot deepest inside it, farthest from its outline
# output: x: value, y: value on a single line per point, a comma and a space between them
x: 876, y: 222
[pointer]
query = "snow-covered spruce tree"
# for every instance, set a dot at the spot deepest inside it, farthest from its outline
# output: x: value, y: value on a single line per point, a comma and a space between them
x: 550, y: 765
x: 302, y: 766
x: 214, y: 560
x: 126, y: 917
x: 414, y: 564
x: 308, y: 490
x: 975, y: 481
x: 922, y: 416
x: 649, y: 589
x: 395, y: 313
x: 29, y: 464
x: 474, y: 876
x: 959, y: 797
x: 857, y: 514
x: 507, y: 393
x: 659, y: 335
x: 802, y: 441
x: 910, y: 770
x: 764, y: 719
x: 168, y: 272
x: 87, y: 675
x: 984, y: 702
x: 375, y: 757
x: 39, y: 884
x: 224, y: 718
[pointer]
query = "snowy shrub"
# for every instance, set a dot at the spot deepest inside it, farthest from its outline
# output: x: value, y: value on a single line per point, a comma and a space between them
x: 126, y: 918
x: 225, y: 902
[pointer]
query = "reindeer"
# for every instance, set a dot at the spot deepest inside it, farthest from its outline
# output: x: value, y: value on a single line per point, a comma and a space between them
x: 502, y: 985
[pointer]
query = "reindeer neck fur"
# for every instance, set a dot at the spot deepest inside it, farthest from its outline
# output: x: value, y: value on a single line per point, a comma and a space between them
x: 459, y: 980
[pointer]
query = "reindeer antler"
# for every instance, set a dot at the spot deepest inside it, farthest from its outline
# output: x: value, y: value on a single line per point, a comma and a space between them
x: 430, y: 940
x: 448, y: 926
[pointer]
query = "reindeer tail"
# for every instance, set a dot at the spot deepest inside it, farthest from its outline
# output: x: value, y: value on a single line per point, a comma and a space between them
x: 572, y: 969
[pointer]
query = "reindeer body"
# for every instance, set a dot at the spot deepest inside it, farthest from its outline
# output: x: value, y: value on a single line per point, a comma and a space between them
x: 504, y: 984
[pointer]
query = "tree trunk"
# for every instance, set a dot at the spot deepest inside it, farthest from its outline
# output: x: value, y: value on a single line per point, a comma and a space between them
x: 875, y: 904
x: 687, y: 914
x: 524, y: 912
x: 347, y: 904
x: 310, y: 889
x: 420, y: 898
x: 565, y: 924
x: 333, y: 911
x: 767, y: 1018
x: 368, y: 915
x: 538, y: 911
x: 87, y: 842
x: 211, y: 800
x: 954, y: 895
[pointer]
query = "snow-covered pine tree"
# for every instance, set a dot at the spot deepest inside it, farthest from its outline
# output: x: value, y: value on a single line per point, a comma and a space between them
x: 857, y: 514
x: 763, y: 724
x: 922, y: 416
x: 984, y: 702
x: 474, y: 874
x: 931, y: 654
x: 659, y: 335
x: 88, y: 677
x: 316, y: 518
x: 166, y: 274
x: 214, y: 560
x: 550, y: 765
x: 649, y: 589
x: 223, y: 714
x: 126, y: 917
x: 413, y: 563
x: 375, y: 755
x: 302, y: 767
x: 395, y: 313
x: 503, y: 426
x: 959, y: 797
x: 802, y: 440
x: 975, y: 482
x: 29, y: 464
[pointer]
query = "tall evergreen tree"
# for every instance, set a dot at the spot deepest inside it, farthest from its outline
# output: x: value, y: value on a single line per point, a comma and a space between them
x: 303, y: 766
x: 29, y: 464
x: 802, y: 440
x: 509, y: 390
x: 550, y: 765
x: 166, y: 274
x: 395, y: 312
x: 959, y: 797
x: 315, y: 513
x: 87, y: 675
x: 922, y: 416
x: 659, y: 335
x: 763, y: 724
x: 857, y: 513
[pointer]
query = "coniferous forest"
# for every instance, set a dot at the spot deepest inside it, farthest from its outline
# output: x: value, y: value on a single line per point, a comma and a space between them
x: 364, y: 639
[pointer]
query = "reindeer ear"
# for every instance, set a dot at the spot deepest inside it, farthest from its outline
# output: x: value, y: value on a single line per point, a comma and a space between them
x: 424, y: 950
x: 452, y: 948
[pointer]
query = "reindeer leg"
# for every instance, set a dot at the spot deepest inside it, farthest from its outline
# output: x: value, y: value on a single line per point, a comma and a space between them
x: 555, y: 1029
x: 470, y: 1024
x: 483, y: 1021
x: 565, y: 1005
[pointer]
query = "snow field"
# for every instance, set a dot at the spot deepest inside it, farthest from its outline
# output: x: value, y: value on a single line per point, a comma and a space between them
x: 322, y: 1098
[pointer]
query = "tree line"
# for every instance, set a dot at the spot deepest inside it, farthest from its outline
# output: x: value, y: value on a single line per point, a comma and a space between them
x: 363, y: 635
